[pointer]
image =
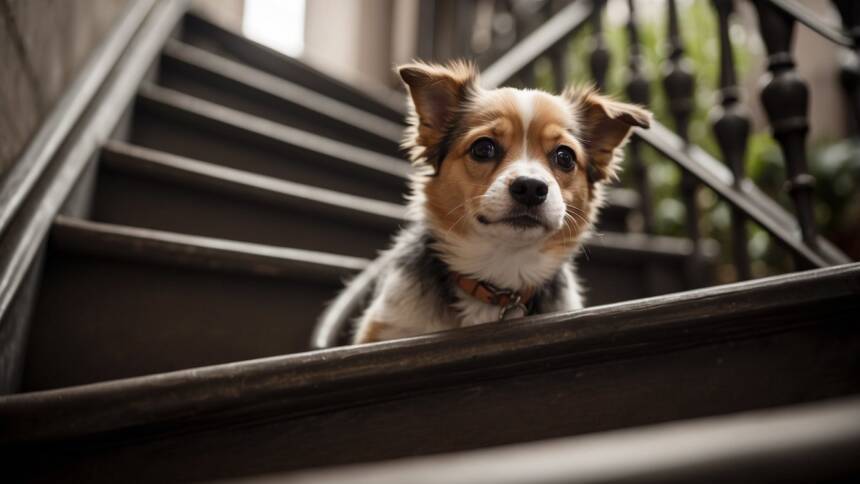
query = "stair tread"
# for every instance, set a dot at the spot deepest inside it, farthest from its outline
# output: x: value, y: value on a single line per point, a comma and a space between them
x: 149, y: 162
x: 141, y: 244
x: 218, y: 116
x: 200, y: 31
x: 390, y: 172
x: 275, y: 95
x: 122, y: 301
x: 792, y: 443
x: 632, y: 329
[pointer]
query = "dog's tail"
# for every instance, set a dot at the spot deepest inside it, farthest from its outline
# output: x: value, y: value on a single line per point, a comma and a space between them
x: 334, y: 326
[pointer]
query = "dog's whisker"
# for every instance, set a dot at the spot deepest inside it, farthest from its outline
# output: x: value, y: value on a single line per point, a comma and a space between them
x: 464, y: 203
x: 581, y: 218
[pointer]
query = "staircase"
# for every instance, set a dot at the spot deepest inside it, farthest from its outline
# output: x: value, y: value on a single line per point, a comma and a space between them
x: 169, y: 245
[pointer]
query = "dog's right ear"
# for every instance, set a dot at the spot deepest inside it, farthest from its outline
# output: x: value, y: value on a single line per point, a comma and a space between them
x: 437, y: 93
x: 606, y: 125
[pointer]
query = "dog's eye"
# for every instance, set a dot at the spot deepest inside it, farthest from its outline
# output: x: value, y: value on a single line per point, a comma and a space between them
x: 564, y: 158
x: 483, y: 149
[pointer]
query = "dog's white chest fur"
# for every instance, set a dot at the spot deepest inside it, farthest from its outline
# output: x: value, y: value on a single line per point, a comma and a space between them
x: 413, y: 298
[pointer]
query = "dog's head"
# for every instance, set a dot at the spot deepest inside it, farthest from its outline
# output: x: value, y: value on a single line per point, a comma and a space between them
x: 514, y: 166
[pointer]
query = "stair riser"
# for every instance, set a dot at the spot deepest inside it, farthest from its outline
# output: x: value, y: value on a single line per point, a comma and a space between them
x: 608, y: 276
x: 802, y: 363
x: 100, y: 318
x: 190, y: 80
x: 133, y: 200
x: 207, y: 36
x: 195, y: 139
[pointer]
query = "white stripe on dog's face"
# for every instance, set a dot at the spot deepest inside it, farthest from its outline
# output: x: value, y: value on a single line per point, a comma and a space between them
x: 470, y: 196
x: 497, y: 203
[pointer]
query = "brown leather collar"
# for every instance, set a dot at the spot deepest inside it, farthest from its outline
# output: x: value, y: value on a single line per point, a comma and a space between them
x: 506, y: 299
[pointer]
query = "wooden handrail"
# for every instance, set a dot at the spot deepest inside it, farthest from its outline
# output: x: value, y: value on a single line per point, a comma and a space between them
x: 36, y: 157
x: 298, y: 383
x: 132, y: 48
x: 802, y: 14
x: 541, y: 41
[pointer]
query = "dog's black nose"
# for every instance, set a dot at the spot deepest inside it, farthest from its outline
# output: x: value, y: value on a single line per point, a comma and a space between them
x: 529, y: 191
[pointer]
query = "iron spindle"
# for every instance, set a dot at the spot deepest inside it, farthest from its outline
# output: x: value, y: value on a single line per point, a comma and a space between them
x: 849, y: 10
x: 785, y: 97
x: 558, y: 53
x: 678, y: 84
x: 731, y: 128
x: 598, y: 52
x: 639, y: 92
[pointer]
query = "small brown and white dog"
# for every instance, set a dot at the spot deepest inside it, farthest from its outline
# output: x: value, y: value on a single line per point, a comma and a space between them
x: 509, y: 183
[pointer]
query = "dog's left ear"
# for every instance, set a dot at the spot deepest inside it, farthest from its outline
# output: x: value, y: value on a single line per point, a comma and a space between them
x: 606, y: 124
x: 437, y: 93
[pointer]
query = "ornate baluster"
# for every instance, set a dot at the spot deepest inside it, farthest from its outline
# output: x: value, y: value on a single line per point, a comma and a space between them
x: 678, y: 84
x: 849, y: 10
x: 639, y: 92
x: 785, y: 99
x: 558, y: 54
x: 599, y: 53
x: 558, y: 58
x: 527, y: 76
x: 731, y: 128
x: 526, y: 13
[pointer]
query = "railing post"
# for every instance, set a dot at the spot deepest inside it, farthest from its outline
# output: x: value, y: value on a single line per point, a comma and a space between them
x: 598, y: 57
x: 558, y: 53
x: 678, y: 84
x: 639, y: 92
x: 786, y: 98
x: 731, y: 127
x: 849, y: 10
x: 526, y: 16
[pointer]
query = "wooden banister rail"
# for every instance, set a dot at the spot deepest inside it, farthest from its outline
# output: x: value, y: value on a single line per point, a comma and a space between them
x: 731, y: 128
x: 810, y: 19
x: 785, y: 98
x: 556, y: 30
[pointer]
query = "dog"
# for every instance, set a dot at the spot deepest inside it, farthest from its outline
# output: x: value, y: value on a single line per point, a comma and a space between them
x: 508, y: 184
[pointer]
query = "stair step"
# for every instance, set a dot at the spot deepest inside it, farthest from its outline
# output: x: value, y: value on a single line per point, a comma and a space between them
x: 118, y: 301
x: 229, y: 83
x: 800, y: 443
x: 148, y: 188
x: 207, y: 35
x: 171, y: 121
x: 611, y: 268
x: 774, y: 341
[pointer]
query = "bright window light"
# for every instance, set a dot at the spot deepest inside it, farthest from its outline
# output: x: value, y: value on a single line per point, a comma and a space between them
x: 279, y: 24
